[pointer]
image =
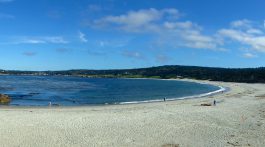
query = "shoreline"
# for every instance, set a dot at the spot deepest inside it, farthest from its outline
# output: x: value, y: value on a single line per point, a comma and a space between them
x: 211, y: 93
x: 221, y: 90
x: 238, y: 119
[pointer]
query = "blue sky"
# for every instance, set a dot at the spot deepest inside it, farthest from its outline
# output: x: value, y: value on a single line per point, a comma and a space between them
x: 111, y: 34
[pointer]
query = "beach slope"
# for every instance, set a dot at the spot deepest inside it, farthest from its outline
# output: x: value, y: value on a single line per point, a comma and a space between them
x: 238, y: 119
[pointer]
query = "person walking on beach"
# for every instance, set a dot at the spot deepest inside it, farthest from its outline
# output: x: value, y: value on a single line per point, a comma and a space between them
x: 164, y: 99
x: 214, y: 102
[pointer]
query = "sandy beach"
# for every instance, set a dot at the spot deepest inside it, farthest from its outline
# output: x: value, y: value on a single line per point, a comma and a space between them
x: 238, y: 119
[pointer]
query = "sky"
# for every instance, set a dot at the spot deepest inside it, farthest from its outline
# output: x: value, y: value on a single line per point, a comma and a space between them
x: 122, y: 34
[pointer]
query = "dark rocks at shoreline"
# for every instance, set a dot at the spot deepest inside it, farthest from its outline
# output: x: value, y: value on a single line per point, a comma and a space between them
x: 4, y: 99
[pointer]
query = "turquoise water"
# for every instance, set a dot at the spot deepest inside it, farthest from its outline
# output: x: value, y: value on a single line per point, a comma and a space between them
x: 74, y: 91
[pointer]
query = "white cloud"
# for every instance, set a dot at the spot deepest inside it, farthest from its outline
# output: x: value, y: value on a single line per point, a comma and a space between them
x: 82, y: 36
x: 55, y: 39
x: 245, y: 23
x: 250, y: 36
x: 32, y: 41
x: 163, y: 22
x: 175, y: 33
x: 133, y: 18
x: 194, y: 39
x: 254, y: 31
x: 138, y: 21
x: 40, y: 40
x: 249, y: 55
x: 189, y: 34
x: 113, y: 43
x: 179, y: 25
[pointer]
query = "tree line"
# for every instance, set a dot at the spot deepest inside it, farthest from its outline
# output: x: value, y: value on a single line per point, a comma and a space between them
x: 248, y: 75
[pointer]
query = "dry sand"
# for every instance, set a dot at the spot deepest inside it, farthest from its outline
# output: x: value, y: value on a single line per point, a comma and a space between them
x: 237, y: 120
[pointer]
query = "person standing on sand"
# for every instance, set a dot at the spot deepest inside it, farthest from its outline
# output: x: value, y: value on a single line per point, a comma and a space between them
x: 164, y: 99
x: 214, y: 102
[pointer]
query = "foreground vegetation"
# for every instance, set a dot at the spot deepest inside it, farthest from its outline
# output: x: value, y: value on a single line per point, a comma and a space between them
x: 249, y: 75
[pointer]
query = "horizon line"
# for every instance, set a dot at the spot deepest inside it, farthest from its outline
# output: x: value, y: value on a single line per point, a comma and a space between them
x: 133, y: 68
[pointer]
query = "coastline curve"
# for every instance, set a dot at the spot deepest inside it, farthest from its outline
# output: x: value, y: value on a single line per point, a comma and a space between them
x: 220, y: 90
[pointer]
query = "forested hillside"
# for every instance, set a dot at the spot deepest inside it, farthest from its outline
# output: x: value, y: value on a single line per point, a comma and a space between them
x: 250, y: 75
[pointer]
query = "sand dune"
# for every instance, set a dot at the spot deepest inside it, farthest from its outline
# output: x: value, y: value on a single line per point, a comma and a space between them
x: 238, y: 119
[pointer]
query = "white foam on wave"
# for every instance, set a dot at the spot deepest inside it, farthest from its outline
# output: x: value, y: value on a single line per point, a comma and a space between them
x: 222, y: 89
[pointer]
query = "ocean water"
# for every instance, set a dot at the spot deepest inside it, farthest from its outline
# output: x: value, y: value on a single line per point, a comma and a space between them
x: 76, y: 91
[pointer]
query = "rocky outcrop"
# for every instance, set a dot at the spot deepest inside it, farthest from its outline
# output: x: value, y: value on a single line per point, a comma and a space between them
x: 4, y: 99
